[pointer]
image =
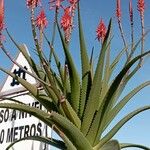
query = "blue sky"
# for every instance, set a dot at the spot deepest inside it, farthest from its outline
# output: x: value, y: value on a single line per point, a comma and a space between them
x: 17, y: 22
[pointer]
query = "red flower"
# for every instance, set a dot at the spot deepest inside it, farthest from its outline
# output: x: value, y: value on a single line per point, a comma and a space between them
x: 56, y: 4
x: 66, y: 23
x: 101, y: 31
x: 141, y: 7
x: 66, y: 20
x: 1, y: 18
x: 33, y: 3
x: 118, y: 10
x: 41, y: 20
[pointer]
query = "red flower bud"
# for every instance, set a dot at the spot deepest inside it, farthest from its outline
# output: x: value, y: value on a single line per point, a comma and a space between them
x: 101, y: 31
x: 141, y: 7
x: 66, y: 23
x: 118, y: 10
x: 41, y: 20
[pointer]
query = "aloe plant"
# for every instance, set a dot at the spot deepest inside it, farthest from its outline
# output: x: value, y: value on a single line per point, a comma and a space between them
x: 80, y: 106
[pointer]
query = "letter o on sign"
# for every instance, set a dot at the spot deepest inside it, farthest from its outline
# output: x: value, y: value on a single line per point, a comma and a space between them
x: 2, y: 136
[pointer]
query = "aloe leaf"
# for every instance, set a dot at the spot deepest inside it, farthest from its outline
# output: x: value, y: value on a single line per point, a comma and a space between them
x: 62, y: 83
x: 58, y: 64
x: 129, y: 145
x: 114, y: 86
x: 23, y: 48
x: 113, y: 113
x: 111, y: 145
x: 105, y: 82
x: 94, y: 95
x: 116, y: 60
x: 31, y: 88
x: 91, y: 64
x: 116, y: 128
x: 85, y: 66
x: 91, y: 56
x: 71, y: 131
x: 50, y: 93
x: 67, y: 142
x: 51, y: 79
x: 136, y: 45
x: 59, y: 67
x: 66, y: 82
x: 2, y: 99
x: 106, y: 72
x: 53, y: 142
x: 58, y: 82
x: 70, y: 113
x: 94, y: 128
x: 74, y: 77
x: 107, y: 103
x: 40, y: 114
x: 47, y: 102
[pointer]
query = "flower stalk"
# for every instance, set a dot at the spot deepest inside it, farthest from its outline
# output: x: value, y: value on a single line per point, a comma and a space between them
x: 118, y: 15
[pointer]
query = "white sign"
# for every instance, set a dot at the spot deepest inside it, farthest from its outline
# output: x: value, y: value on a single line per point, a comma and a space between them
x: 14, y: 124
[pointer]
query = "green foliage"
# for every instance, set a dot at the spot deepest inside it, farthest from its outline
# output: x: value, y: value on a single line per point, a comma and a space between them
x: 80, y: 107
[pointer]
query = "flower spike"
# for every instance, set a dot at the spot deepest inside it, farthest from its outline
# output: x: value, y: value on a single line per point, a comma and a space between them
x: 118, y: 10
x: 131, y: 23
x: 131, y: 11
x: 66, y: 23
x: 141, y: 7
x: 41, y: 21
x: 101, y: 31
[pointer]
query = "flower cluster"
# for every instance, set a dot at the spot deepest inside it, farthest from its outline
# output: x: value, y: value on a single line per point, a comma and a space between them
x: 66, y: 21
x: 67, y: 18
x: 118, y: 10
x: 141, y: 7
x: 41, y: 21
x: 101, y: 31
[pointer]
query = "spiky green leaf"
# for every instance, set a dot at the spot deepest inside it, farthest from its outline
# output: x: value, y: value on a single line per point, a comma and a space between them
x: 116, y: 128
x: 74, y: 77
x: 111, y: 145
x: 113, y: 113
x: 129, y: 145
x: 85, y: 66
x: 71, y: 131
x: 40, y: 114
x: 94, y: 95
x: 53, y: 142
